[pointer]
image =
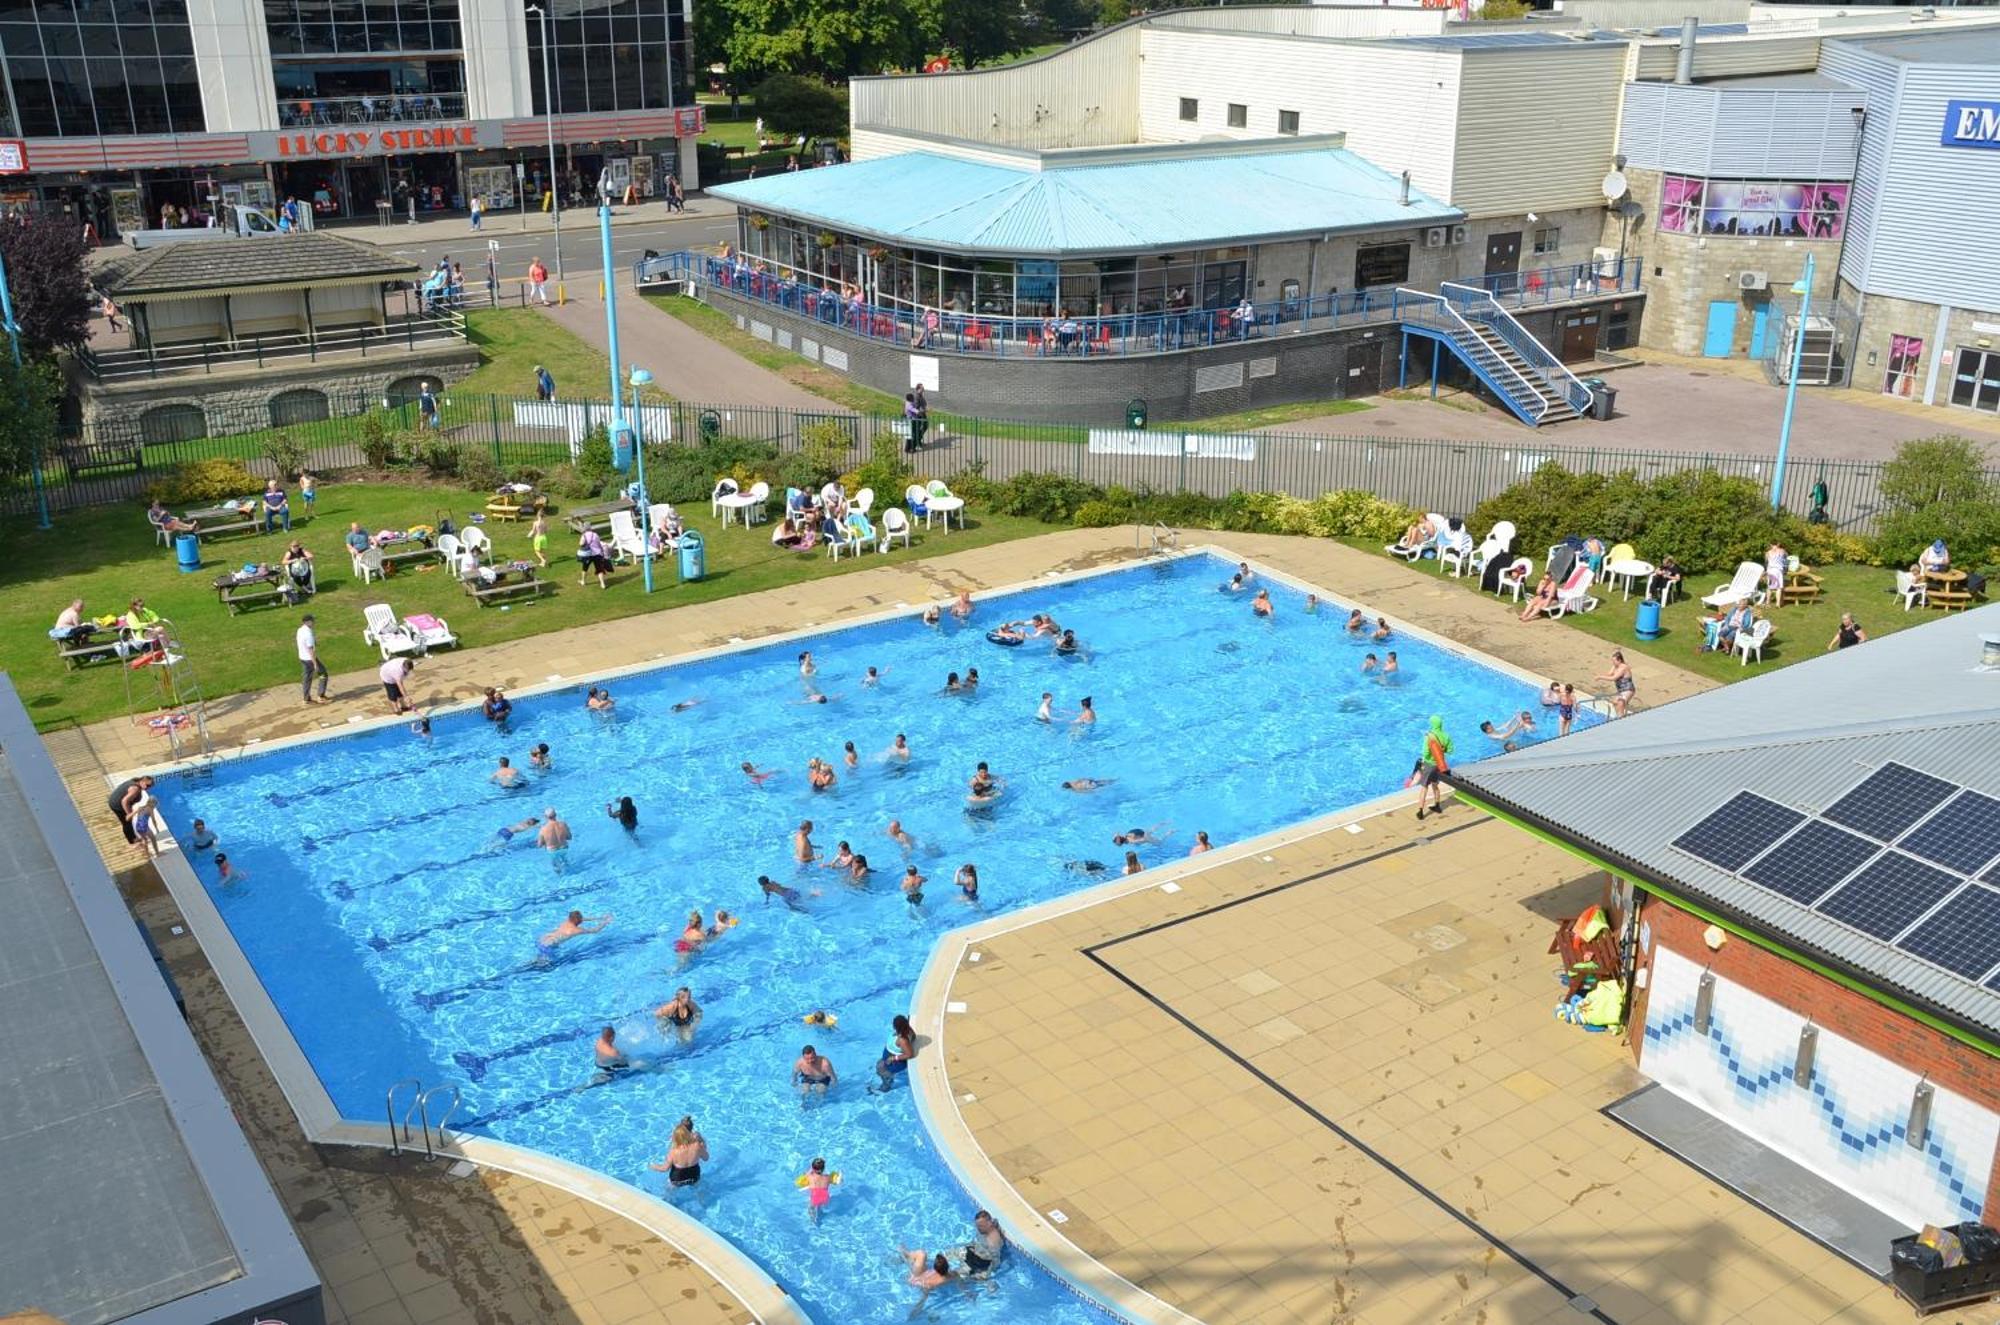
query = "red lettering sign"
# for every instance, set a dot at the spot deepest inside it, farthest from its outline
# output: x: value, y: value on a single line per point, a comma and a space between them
x: 355, y: 142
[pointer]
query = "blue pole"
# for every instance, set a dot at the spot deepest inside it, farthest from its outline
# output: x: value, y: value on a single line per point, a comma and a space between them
x: 645, y: 520
x: 611, y: 311
x: 1792, y: 386
x: 13, y: 329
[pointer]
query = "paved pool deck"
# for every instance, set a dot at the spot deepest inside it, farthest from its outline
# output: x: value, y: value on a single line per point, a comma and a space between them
x: 400, y: 1245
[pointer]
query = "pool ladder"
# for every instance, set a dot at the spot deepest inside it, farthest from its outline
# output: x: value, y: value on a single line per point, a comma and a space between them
x: 419, y: 1105
x: 1159, y: 534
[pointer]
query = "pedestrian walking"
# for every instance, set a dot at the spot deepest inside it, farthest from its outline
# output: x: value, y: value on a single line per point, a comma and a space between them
x: 545, y: 384
x: 427, y: 405
x: 109, y: 308
x: 538, y: 279
x: 478, y: 211
x: 309, y: 664
x: 676, y: 197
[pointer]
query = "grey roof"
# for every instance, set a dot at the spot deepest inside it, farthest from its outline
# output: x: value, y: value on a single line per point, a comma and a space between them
x: 1801, y: 735
x: 221, y: 265
x: 1469, y: 41
x: 1955, y: 45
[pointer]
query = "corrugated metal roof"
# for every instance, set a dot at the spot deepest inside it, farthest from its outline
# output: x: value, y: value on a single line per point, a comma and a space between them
x: 1968, y: 45
x: 933, y: 201
x: 1469, y: 41
x: 1801, y: 735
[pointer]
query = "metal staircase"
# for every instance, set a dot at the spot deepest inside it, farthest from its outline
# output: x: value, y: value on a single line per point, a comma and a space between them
x: 162, y: 690
x: 1511, y: 363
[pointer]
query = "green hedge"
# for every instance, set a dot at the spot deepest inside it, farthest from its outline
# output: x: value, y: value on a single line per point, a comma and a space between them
x: 1058, y: 499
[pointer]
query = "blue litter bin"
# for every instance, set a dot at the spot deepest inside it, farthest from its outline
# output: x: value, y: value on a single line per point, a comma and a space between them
x: 1648, y: 626
x: 187, y: 551
x: 694, y: 556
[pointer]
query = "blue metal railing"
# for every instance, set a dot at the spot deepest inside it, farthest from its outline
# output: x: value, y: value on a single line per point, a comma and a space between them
x: 1478, y: 305
x: 1117, y: 334
x: 1439, y: 314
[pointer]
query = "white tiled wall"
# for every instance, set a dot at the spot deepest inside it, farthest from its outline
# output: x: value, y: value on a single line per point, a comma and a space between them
x: 1847, y: 1124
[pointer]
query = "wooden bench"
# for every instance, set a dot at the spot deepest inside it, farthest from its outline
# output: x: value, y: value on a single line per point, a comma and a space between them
x: 499, y: 509
x: 1949, y: 600
x: 507, y: 589
x: 392, y: 560
x: 75, y: 653
x: 82, y: 457
x: 239, y: 594
x: 1584, y: 961
x: 232, y: 527
x: 1801, y: 587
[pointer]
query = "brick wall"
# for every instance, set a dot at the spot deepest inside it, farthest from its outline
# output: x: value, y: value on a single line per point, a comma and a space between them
x: 1839, y: 1011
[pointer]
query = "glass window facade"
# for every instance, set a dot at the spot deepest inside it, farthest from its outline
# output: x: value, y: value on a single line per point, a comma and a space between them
x: 361, y: 27
x: 610, y: 55
x: 79, y: 69
x: 1755, y: 208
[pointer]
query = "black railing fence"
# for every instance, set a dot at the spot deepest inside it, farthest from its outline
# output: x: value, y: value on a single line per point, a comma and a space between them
x: 111, y: 464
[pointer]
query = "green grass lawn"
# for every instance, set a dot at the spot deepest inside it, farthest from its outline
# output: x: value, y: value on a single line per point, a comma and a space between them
x: 719, y: 327
x: 1798, y: 632
x: 107, y: 556
x: 1272, y: 415
x: 512, y: 341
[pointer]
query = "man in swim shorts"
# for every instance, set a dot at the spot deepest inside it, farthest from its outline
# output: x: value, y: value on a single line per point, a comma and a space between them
x: 571, y: 926
x: 509, y: 833
x: 610, y: 1058
x: 901, y: 838
x: 1087, y: 784
x: 813, y: 1071
x: 913, y: 886
x: 554, y: 838
x: 789, y: 896
x: 803, y: 850
x: 507, y: 775
x: 987, y: 1245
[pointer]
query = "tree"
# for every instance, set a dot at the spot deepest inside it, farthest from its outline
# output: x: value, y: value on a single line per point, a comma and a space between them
x: 1938, y: 487
x: 44, y: 257
x: 1114, y: 11
x: 29, y: 398
x: 829, y: 39
x: 793, y: 106
x: 1501, y: 11
x: 980, y: 30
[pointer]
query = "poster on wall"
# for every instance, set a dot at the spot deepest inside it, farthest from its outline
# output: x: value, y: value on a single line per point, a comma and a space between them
x: 1752, y: 208
x: 1905, y: 353
x: 494, y: 185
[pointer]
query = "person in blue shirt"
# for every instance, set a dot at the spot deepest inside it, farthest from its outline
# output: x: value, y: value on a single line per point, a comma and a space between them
x: 545, y: 384
x: 427, y: 406
x: 277, y: 507
x: 496, y: 708
x: 358, y: 540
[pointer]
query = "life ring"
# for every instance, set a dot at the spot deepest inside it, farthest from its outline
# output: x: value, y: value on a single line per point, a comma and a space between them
x: 1004, y: 641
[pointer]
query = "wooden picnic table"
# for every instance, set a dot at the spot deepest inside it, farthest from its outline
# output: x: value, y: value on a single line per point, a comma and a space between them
x: 237, y: 591
x: 597, y: 516
x: 225, y: 520
x: 99, y: 643
x: 514, y: 580
x: 506, y: 504
x: 1801, y: 587
x: 1945, y: 590
x: 407, y: 550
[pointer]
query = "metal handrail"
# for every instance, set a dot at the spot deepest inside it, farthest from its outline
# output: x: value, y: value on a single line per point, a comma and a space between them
x: 424, y: 1101
x: 1524, y: 344
x: 1423, y: 298
x: 389, y: 1104
x: 438, y: 325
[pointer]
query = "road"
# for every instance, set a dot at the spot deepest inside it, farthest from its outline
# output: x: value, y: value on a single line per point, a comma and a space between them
x: 581, y: 252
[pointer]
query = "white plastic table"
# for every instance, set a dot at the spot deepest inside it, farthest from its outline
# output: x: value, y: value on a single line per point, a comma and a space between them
x: 934, y: 505
x: 1628, y: 571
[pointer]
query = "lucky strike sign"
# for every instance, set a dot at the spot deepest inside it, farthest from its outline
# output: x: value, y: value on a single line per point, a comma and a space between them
x: 389, y: 142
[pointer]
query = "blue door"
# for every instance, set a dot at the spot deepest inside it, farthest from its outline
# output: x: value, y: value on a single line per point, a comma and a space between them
x: 1721, y: 329
x: 1760, y: 322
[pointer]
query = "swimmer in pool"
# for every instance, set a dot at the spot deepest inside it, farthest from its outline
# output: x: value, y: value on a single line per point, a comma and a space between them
x: 611, y: 1060
x: 1244, y: 573
x: 625, y: 812
x: 572, y: 926
x: 1092, y: 867
x: 816, y: 698
x: 931, y: 615
x: 803, y: 850
x: 961, y: 606
x: 1132, y: 865
x: 200, y: 838
x: 1143, y: 837
x: 808, y: 669
x: 967, y: 880
x: 819, y: 774
x: 971, y: 679
x: 506, y: 835
x: 1087, y: 784
x: 1261, y: 604
x: 686, y: 704
x: 1008, y: 633
x: 858, y: 876
x: 599, y: 701
x: 1046, y: 711
x: 1200, y: 843
x: 691, y: 939
x: 843, y: 857
x: 770, y: 889
x: 539, y: 758
x: 984, y: 786
x: 872, y: 679
x: 507, y: 775
x: 1086, y: 715
x: 226, y: 872
x: 1312, y: 604
x: 1235, y: 584
x: 913, y: 886
x: 1370, y: 663
x: 1356, y: 623
x: 758, y: 777
x: 554, y: 838
x: 899, y: 749
x: 422, y: 726
x: 1381, y: 629
x: 1066, y: 644
x: 680, y: 1015
x: 1046, y: 625
x: 812, y: 1071
x: 927, y: 1275
x: 952, y: 685
x: 901, y: 838
x: 1521, y: 724
x: 1389, y: 665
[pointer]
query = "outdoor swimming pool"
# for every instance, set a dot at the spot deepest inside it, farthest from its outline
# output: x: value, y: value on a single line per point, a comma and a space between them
x: 397, y: 942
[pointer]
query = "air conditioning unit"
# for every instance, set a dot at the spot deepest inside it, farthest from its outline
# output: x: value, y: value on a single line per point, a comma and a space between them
x: 1753, y: 280
x: 1458, y: 233
x: 1605, y: 260
x: 1434, y: 237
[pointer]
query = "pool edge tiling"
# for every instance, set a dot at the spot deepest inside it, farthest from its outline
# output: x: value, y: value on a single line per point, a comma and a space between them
x: 759, y: 1291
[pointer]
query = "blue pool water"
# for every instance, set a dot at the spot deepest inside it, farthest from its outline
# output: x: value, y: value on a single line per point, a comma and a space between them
x: 397, y: 944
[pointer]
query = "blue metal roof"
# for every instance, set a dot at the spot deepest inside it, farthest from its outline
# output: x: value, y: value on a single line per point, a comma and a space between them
x: 928, y: 200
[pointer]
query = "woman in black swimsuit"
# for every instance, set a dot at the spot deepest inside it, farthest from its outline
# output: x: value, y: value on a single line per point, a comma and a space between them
x: 684, y: 1156
x: 682, y: 1013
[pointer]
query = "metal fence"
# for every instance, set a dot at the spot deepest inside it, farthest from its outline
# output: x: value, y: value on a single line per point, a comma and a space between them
x: 1447, y: 476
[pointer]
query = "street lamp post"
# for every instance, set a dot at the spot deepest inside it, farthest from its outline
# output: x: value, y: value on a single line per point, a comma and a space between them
x: 642, y: 378
x: 13, y: 330
x: 549, y: 115
x: 1804, y: 290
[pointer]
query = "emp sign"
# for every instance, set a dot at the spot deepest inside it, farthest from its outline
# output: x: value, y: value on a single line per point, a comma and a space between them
x: 1972, y: 124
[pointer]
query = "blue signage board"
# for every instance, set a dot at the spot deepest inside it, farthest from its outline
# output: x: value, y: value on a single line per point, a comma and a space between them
x: 1972, y: 124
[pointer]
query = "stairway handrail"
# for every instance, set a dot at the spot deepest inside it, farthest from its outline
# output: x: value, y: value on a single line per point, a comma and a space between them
x: 1525, y: 344
x: 1541, y: 406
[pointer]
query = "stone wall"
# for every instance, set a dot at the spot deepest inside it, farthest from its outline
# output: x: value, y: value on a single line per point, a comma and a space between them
x: 1283, y: 366
x: 1884, y: 318
x: 239, y: 401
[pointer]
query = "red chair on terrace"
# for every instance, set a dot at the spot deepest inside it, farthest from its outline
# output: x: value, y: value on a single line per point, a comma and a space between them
x: 1103, y: 338
x: 981, y: 336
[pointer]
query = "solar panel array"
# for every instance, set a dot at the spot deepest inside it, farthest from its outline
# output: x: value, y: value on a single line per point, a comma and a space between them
x: 1903, y: 857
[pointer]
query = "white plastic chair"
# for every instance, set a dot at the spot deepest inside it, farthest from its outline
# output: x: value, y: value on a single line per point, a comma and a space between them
x: 1515, y: 578
x: 1575, y: 595
x: 368, y: 564
x: 627, y: 544
x: 724, y: 487
x: 939, y: 501
x: 843, y: 536
x: 160, y: 532
x: 895, y: 525
x: 452, y: 551
x: 1910, y: 589
x: 1748, y: 583
x: 474, y: 539
x: 381, y: 629
x: 918, y: 499
x: 1455, y: 551
x: 864, y: 501
x: 1752, y: 641
x: 1440, y: 530
x: 1504, y: 532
